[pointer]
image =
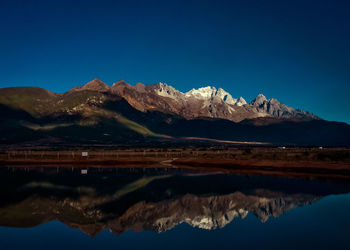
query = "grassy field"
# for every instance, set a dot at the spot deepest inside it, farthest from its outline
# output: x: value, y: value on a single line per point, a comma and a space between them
x: 258, y: 153
x: 319, y: 161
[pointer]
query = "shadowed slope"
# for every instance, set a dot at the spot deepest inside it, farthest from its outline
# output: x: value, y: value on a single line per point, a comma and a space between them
x: 99, y: 114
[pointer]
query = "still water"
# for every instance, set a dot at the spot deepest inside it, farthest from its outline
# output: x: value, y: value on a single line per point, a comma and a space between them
x: 64, y: 208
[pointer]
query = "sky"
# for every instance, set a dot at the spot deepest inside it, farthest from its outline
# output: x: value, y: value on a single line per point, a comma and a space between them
x: 295, y: 51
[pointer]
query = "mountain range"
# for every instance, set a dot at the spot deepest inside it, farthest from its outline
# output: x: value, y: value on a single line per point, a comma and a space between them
x: 206, y: 102
x: 121, y: 114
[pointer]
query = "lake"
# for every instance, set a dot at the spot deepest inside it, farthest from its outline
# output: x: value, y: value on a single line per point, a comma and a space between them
x: 169, y: 208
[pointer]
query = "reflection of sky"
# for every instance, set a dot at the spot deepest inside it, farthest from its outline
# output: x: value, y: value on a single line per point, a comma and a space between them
x: 322, y: 225
x: 295, y: 51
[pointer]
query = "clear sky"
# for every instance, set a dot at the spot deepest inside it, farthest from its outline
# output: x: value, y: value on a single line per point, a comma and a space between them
x: 295, y: 51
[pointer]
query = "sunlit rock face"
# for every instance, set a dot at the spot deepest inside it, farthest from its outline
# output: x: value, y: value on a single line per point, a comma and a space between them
x: 202, y: 102
x: 122, y: 114
x: 274, y: 108
x: 94, y: 85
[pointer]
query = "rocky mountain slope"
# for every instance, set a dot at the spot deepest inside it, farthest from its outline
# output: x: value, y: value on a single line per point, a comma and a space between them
x: 202, y: 102
x: 279, y: 110
x: 119, y: 114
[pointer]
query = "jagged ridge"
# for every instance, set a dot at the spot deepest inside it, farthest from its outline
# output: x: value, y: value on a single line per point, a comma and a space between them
x: 203, y: 102
x: 121, y: 113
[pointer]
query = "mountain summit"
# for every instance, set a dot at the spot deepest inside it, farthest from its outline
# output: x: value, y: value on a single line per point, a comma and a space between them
x: 94, y: 85
x: 205, y: 102
x: 126, y: 114
x: 202, y: 102
x: 210, y: 93
x: 260, y: 99
x: 279, y: 110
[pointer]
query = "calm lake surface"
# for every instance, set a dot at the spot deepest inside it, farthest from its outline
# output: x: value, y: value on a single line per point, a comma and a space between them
x: 64, y: 208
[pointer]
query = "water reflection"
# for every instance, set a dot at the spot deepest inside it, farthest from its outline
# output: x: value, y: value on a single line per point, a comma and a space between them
x: 148, y: 199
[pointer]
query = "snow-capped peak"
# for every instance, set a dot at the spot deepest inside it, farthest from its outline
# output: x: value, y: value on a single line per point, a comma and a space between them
x: 210, y: 92
x: 240, y: 102
x: 260, y: 99
x: 202, y: 93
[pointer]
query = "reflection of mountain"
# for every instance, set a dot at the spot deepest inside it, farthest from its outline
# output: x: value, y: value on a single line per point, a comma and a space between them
x: 150, y: 200
x: 209, y: 212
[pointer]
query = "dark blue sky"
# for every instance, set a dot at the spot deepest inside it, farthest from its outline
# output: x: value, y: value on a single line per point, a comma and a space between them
x: 295, y: 51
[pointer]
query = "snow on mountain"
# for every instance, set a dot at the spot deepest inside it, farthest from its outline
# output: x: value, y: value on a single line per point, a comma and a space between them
x: 202, y: 93
x: 260, y: 99
x: 240, y: 102
x: 202, y: 102
x: 211, y: 93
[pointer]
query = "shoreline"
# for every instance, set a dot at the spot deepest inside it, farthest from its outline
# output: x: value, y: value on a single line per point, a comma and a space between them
x: 264, y: 167
x: 281, y: 161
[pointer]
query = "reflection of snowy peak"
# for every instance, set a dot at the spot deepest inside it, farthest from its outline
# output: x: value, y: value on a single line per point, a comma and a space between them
x: 151, y: 199
x: 209, y: 212
x: 205, y: 212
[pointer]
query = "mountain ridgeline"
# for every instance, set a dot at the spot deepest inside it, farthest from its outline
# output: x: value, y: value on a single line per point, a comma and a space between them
x: 122, y: 114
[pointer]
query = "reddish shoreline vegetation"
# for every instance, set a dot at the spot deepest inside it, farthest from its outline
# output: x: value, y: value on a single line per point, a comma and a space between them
x: 314, y: 162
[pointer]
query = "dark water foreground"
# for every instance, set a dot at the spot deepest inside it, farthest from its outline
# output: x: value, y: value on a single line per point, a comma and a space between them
x: 169, y: 208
